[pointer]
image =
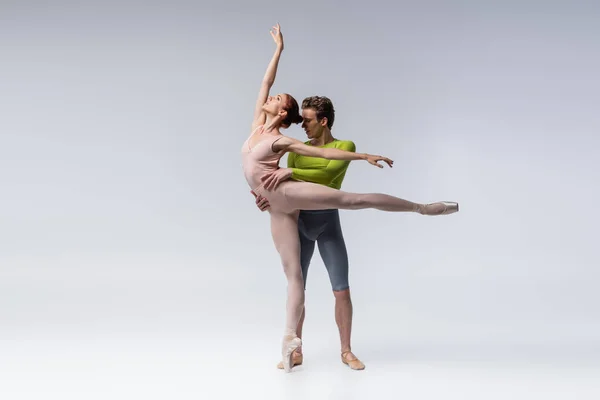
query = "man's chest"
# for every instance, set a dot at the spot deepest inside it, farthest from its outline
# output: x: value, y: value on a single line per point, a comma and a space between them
x: 304, y: 162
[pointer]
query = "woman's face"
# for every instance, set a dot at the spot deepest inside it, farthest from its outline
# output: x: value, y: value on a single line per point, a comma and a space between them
x: 275, y: 103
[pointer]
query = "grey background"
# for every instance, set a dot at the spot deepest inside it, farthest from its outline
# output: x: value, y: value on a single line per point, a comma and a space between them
x: 125, y: 218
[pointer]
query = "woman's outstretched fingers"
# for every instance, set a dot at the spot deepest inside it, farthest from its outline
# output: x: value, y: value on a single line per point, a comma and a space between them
x: 375, y: 160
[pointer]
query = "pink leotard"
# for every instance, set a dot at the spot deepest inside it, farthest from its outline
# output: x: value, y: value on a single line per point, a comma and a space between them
x: 260, y: 160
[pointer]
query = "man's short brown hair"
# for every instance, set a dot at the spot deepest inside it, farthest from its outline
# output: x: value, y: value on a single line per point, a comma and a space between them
x: 322, y: 106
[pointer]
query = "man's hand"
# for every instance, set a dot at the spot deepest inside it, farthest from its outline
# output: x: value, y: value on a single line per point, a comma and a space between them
x: 273, y: 179
x: 261, y: 202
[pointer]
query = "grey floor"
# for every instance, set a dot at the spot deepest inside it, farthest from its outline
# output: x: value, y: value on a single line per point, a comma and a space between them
x: 94, y: 329
x: 229, y: 368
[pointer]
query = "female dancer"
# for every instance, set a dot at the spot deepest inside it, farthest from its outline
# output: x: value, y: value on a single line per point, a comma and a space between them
x: 261, y: 153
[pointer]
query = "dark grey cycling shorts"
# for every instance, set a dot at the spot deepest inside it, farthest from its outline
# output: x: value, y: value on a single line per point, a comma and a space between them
x: 323, y: 226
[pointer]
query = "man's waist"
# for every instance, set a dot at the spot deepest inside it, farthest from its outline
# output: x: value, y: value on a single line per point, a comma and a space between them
x: 324, y: 211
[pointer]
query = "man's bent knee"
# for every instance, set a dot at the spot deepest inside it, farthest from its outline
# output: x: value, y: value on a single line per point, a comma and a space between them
x: 342, y: 293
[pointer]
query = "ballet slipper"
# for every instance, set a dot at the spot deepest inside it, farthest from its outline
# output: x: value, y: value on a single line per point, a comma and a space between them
x: 353, y: 362
x: 289, y: 344
x: 297, y: 359
x: 439, y: 208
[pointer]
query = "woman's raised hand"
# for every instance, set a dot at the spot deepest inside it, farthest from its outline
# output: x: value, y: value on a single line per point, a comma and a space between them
x: 277, y: 36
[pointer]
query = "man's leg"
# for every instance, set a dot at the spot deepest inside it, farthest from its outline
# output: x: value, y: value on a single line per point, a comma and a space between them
x: 335, y: 256
x: 343, y: 317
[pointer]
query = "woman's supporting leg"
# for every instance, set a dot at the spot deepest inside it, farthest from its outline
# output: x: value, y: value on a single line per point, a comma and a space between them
x: 284, y: 229
x: 311, y: 196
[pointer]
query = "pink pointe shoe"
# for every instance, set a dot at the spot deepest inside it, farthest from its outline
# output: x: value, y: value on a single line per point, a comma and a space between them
x: 290, y: 343
x: 439, y: 208
x: 297, y: 359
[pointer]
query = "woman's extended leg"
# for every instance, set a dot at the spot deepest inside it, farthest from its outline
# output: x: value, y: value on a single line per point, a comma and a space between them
x: 284, y: 229
x: 311, y: 196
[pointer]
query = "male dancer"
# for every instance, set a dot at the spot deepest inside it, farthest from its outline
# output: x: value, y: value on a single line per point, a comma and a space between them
x: 322, y: 226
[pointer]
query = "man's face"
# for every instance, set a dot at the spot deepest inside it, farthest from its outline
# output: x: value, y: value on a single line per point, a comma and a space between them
x: 311, y: 126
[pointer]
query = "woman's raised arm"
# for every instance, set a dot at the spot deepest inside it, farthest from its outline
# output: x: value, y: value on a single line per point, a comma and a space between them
x: 268, y: 79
